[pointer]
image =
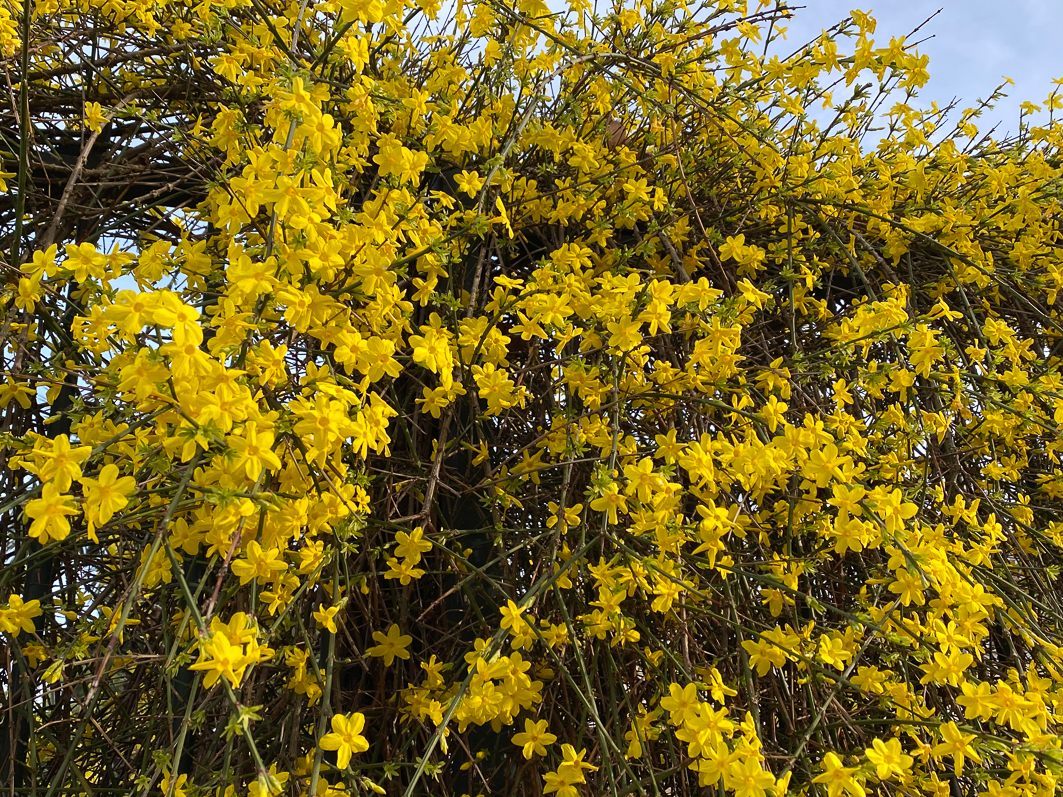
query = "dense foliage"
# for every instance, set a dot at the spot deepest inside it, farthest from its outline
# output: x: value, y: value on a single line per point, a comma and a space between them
x: 465, y: 399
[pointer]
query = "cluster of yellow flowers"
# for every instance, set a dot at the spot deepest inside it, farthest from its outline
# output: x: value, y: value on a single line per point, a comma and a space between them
x: 58, y: 465
x: 229, y: 649
x: 532, y: 367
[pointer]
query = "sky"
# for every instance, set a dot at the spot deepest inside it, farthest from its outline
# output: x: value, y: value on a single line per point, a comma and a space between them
x: 975, y: 44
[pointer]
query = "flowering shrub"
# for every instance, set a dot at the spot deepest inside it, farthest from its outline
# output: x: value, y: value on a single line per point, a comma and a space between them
x: 414, y: 398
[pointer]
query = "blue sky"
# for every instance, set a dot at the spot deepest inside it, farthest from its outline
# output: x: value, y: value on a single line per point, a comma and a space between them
x: 975, y: 44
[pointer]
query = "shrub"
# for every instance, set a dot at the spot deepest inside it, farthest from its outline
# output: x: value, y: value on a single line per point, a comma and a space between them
x: 474, y: 399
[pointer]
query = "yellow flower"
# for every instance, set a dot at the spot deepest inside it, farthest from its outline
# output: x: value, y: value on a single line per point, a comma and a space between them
x: 642, y: 480
x: 535, y: 738
x: 763, y: 655
x: 49, y: 514
x: 733, y: 247
x: 346, y: 738
x: 95, y: 118
x: 625, y: 334
x: 84, y: 261
x: 747, y: 778
x: 894, y: 511
x: 392, y: 645
x: 412, y: 545
x: 403, y: 569
x: 774, y: 413
x: 218, y: 657
x: 574, y: 762
x: 717, y: 687
x: 502, y: 216
x: 888, y: 758
x: 62, y: 463
x: 254, y: 451
x: 22, y: 393
x: 512, y: 619
x: 105, y: 496
x: 469, y: 182
x: 34, y: 654
x: 956, y: 744
x: 563, y: 782
x: 298, y: 100
x: 258, y: 563
x: 826, y: 464
x: 839, y: 779
x: 681, y: 703
x: 18, y: 615
x: 29, y: 293
x: 432, y: 350
x: 326, y: 618
x: 610, y: 502
x: 497, y: 388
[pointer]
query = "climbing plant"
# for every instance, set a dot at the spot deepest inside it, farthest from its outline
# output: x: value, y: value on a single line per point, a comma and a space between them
x: 467, y: 398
